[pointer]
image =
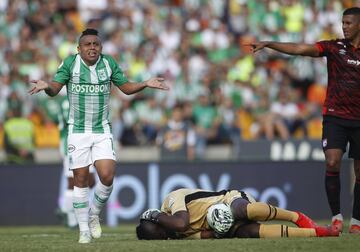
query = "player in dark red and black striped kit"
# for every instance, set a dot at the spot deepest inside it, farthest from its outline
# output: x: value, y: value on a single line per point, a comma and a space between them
x: 341, y: 111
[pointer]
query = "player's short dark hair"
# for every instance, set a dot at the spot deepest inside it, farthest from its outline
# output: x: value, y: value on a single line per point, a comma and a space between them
x: 148, y: 230
x: 352, y: 11
x: 89, y: 31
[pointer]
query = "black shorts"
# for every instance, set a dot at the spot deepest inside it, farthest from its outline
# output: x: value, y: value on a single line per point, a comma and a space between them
x: 338, y: 132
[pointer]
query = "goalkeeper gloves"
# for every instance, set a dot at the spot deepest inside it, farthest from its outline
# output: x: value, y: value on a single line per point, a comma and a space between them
x: 151, y: 215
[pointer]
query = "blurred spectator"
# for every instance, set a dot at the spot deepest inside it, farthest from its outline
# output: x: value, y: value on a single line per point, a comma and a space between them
x: 177, y: 139
x: 197, y: 45
x: 267, y: 123
x: 151, y: 117
x: 206, y: 124
x: 18, y: 138
x: 229, y: 130
x: 287, y: 109
x: 126, y: 127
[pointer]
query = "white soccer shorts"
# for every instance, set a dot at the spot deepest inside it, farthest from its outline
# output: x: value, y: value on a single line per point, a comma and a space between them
x: 85, y: 148
x: 68, y: 172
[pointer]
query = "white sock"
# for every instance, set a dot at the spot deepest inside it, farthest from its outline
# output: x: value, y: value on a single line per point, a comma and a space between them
x: 101, y: 195
x: 338, y: 217
x: 69, y: 209
x: 354, y: 222
x: 81, y: 207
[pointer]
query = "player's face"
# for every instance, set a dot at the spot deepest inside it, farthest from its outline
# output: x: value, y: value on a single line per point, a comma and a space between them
x: 351, y: 26
x: 152, y: 231
x: 161, y: 233
x: 89, y: 49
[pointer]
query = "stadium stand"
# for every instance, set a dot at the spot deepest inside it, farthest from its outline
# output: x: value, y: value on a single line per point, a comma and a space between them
x: 196, y: 45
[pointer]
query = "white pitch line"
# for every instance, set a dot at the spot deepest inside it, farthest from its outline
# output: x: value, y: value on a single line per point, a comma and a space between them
x: 41, y: 235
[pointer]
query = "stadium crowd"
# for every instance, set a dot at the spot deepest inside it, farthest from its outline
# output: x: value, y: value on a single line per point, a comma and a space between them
x: 225, y: 93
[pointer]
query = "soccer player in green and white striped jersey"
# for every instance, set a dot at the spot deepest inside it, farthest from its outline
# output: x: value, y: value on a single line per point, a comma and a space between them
x: 88, y: 76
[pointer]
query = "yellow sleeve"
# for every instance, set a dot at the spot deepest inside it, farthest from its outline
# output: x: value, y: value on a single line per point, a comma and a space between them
x: 174, y: 202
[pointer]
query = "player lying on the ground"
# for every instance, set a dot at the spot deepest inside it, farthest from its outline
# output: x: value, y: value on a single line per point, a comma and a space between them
x: 184, y: 215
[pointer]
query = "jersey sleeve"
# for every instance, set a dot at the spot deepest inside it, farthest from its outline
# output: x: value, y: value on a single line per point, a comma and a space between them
x: 63, y: 72
x: 117, y: 76
x: 174, y: 203
x: 324, y: 47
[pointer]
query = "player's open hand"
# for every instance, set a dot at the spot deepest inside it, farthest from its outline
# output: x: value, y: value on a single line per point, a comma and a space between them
x: 37, y: 86
x: 256, y: 46
x: 157, y: 82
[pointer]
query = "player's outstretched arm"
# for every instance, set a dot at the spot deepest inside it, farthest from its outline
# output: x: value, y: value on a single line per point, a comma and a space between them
x: 50, y: 89
x: 288, y: 48
x: 133, y: 87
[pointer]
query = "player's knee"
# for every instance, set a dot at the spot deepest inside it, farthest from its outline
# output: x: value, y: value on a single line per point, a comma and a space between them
x: 239, y: 208
x: 332, y: 164
x: 107, y: 179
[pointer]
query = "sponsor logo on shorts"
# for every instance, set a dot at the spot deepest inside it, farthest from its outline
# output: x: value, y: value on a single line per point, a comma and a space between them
x: 324, y: 142
x: 71, y: 148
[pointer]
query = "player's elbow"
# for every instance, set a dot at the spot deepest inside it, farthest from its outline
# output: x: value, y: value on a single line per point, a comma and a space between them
x: 125, y: 91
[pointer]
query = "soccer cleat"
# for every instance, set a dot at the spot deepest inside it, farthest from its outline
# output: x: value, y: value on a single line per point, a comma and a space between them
x: 324, y: 231
x: 354, y: 229
x: 304, y: 222
x: 85, y: 237
x: 338, y: 224
x: 94, y: 225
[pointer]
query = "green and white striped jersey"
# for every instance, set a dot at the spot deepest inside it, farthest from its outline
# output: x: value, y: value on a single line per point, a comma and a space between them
x: 88, y: 90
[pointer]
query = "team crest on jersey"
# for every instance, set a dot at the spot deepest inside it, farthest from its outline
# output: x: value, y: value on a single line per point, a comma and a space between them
x: 102, y: 74
x: 324, y: 142
x: 342, y: 51
x: 171, y: 202
x: 71, y: 148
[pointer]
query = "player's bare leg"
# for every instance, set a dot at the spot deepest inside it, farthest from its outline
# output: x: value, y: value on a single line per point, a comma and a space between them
x: 332, y: 184
x: 81, y: 202
x: 106, y: 172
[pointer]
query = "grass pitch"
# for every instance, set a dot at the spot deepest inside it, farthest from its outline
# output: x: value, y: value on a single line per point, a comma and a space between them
x: 57, y: 238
